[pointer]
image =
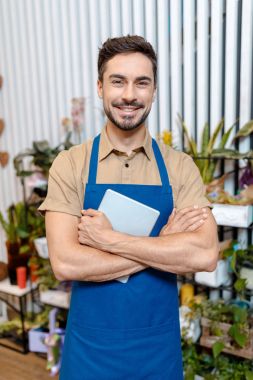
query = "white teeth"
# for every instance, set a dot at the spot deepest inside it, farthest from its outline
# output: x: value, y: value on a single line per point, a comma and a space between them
x: 127, y: 109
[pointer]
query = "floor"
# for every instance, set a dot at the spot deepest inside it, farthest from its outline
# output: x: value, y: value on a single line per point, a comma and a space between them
x: 16, y: 366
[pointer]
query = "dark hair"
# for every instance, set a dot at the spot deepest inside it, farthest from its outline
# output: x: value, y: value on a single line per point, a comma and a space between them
x: 125, y: 44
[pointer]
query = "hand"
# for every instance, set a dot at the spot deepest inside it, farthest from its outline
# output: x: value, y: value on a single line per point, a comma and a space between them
x: 92, y: 228
x: 187, y: 219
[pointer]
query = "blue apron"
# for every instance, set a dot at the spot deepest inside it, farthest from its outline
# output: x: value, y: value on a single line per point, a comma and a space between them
x: 125, y: 331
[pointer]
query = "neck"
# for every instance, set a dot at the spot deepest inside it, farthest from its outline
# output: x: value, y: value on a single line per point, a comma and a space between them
x: 125, y: 141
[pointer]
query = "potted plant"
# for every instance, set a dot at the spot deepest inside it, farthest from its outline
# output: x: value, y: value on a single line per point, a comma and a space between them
x: 227, y: 328
x: 209, y: 155
x: 41, y: 155
x: 22, y: 226
x: 241, y: 262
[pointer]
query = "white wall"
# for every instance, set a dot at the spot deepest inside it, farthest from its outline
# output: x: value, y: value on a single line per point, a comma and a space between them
x: 48, y: 53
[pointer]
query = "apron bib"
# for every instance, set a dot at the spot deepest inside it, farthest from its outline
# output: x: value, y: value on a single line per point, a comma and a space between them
x: 125, y: 331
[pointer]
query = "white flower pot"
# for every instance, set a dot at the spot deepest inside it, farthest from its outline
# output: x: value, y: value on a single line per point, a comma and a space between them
x: 220, y: 276
x: 247, y: 273
x: 190, y: 327
x: 232, y: 215
x: 41, y: 247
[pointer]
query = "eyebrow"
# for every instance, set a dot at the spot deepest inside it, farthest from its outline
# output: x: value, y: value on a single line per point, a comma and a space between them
x: 120, y: 76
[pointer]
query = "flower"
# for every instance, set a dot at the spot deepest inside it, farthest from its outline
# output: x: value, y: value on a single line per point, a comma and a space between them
x: 167, y: 137
x: 77, y: 113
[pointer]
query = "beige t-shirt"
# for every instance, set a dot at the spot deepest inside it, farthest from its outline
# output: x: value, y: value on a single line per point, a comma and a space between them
x: 69, y: 174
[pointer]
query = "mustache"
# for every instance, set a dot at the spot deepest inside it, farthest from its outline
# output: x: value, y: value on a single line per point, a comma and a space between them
x: 125, y: 104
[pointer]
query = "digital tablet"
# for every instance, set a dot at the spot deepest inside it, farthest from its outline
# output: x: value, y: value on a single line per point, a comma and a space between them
x: 127, y: 215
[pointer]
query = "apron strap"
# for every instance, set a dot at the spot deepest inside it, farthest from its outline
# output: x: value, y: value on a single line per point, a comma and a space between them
x: 161, y: 165
x: 94, y: 163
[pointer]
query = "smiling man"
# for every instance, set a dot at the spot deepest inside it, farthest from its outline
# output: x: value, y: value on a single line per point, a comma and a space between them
x: 130, y: 330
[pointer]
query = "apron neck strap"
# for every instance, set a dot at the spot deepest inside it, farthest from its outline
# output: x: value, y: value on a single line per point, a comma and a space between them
x: 94, y: 163
x: 161, y: 165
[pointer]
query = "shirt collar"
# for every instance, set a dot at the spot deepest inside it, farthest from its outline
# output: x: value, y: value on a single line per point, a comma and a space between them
x: 107, y: 148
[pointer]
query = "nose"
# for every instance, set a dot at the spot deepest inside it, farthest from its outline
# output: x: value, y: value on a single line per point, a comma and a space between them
x: 129, y: 93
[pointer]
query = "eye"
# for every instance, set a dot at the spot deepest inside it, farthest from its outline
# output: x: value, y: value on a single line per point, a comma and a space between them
x: 117, y: 82
x: 143, y: 83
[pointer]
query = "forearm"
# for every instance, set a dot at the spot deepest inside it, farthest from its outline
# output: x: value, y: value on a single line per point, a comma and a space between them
x: 177, y: 253
x: 71, y: 260
x: 83, y: 263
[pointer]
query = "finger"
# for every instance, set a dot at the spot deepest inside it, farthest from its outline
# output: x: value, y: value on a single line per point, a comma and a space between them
x: 195, y: 226
x: 191, y: 221
x: 190, y: 213
x: 185, y: 211
x: 172, y: 215
x: 91, y: 212
x: 85, y: 219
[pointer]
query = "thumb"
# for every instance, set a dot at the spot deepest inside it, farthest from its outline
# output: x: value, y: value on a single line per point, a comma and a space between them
x: 172, y: 215
x: 90, y: 212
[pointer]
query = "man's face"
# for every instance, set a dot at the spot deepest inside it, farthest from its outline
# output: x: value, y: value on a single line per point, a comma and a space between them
x: 127, y: 90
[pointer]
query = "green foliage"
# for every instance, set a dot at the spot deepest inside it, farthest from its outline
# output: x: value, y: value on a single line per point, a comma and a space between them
x: 211, y: 154
x: 23, y: 225
x: 41, y: 155
x: 198, y: 361
x: 46, y: 277
x: 246, y: 130
x: 40, y: 319
x: 217, y: 348
x: 239, y: 258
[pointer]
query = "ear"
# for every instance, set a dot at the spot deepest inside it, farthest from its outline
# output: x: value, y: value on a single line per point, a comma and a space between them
x: 100, y: 88
x: 154, y: 96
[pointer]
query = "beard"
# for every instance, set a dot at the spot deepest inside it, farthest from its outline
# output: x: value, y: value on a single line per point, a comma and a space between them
x: 127, y: 124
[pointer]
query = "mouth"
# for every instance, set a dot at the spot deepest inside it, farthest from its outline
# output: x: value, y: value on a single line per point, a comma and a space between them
x: 127, y: 110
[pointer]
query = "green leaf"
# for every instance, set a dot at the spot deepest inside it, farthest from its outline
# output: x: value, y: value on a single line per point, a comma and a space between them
x: 240, y: 315
x: 205, y: 139
x: 24, y: 249
x: 214, y: 136
x: 217, y: 348
x: 233, y: 262
x: 191, y: 143
x: 249, y: 375
x: 228, y: 252
x: 228, y: 153
x: 209, y: 172
x: 246, y: 130
x: 239, y: 337
x: 41, y: 146
x: 240, y: 284
x: 22, y: 233
x: 226, y: 136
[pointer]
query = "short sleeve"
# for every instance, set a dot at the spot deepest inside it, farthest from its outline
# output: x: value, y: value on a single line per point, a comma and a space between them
x: 62, y: 193
x: 191, y: 190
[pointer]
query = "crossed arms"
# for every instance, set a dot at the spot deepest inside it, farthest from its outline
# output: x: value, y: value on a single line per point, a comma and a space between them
x: 87, y: 249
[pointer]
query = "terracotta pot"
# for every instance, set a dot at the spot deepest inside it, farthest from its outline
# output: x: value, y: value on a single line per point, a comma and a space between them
x: 33, y: 268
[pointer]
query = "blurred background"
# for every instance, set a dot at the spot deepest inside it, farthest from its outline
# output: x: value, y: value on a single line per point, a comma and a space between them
x: 48, y: 67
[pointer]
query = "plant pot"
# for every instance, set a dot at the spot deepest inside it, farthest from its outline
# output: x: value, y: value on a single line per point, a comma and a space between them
x: 36, y: 339
x: 247, y: 273
x: 41, y: 247
x: 15, y: 261
x: 220, y: 276
x: 207, y: 339
x: 12, y: 248
x: 232, y: 215
x: 189, y: 327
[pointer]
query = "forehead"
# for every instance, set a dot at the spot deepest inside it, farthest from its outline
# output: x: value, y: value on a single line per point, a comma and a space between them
x: 130, y: 65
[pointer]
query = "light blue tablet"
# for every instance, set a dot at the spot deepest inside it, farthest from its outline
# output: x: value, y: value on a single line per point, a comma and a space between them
x: 127, y: 215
